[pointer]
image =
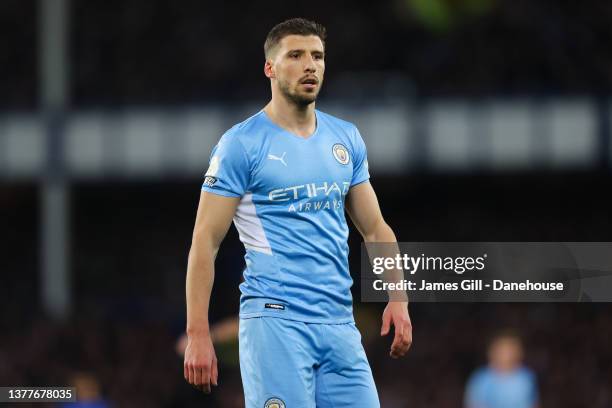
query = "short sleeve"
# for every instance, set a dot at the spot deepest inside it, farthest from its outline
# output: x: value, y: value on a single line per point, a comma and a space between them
x: 228, y: 170
x: 360, y: 160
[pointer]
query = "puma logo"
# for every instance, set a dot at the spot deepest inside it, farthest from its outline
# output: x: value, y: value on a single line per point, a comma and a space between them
x: 280, y: 159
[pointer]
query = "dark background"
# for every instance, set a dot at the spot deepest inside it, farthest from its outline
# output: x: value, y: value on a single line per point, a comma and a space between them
x: 130, y: 236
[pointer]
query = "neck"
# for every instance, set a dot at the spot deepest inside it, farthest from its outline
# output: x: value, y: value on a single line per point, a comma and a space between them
x: 297, y: 119
x: 504, y: 368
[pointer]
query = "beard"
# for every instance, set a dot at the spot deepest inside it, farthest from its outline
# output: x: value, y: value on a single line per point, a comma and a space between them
x: 300, y: 99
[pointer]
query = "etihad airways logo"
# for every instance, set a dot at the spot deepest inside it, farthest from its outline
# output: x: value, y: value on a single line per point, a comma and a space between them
x: 309, y: 190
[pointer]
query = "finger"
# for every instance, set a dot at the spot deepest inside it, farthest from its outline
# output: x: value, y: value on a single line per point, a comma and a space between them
x: 186, y: 372
x: 200, y: 376
x: 215, y: 373
x: 195, y: 376
x: 406, y: 339
x: 386, y: 324
x: 403, y: 349
x: 206, y: 379
x: 397, y: 340
x: 408, y: 336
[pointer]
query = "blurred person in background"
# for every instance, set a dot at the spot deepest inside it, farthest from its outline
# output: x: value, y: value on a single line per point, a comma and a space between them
x: 87, y: 392
x: 283, y: 176
x: 505, y: 382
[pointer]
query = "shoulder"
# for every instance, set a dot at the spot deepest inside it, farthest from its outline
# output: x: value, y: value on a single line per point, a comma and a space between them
x: 245, y: 131
x: 527, y: 373
x: 347, y: 131
x: 480, y: 375
x: 336, y: 122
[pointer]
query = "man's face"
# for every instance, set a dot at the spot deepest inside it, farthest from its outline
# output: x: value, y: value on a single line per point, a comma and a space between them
x: 505, y: 354
x: 298, y: 65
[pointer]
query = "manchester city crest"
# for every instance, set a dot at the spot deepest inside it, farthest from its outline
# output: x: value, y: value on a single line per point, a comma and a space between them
x: 341, y: 153
x: 274, y: 403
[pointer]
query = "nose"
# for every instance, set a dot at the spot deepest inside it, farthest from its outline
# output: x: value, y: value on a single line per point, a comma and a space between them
x: 310, y: 65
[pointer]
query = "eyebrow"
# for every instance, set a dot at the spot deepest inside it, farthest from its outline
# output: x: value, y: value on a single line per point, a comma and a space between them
x: 301, y: 51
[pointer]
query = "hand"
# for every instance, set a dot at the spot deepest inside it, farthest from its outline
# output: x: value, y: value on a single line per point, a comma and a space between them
x: 200, y: 367
x: 396, y: 314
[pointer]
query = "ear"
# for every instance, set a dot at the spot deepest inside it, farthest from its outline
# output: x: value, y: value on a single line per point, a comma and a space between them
x: 269, y: 70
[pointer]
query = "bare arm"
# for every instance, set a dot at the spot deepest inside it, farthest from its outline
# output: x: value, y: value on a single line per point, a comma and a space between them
x: 362, y: 206
x: 214, y: 217
x: 215, y: 214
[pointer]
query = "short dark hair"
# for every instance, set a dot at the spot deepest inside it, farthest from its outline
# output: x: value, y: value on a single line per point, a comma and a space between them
x: 294, y: 26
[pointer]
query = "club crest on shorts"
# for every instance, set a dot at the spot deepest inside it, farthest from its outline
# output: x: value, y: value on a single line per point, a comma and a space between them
x: 274, y: 403
x: 341, y: 153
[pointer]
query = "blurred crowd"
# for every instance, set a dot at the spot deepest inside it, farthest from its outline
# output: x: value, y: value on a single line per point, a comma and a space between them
x: 129, y: 240
x: 129, y: 252
x: 151, y: 52
x: 135, y: 364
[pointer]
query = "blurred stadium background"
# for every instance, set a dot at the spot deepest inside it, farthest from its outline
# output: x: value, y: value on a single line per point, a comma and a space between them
x: 485, y: 120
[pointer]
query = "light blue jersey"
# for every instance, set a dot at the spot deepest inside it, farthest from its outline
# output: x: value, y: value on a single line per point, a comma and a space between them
x: 488, y: 388
x: 291, y: 214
